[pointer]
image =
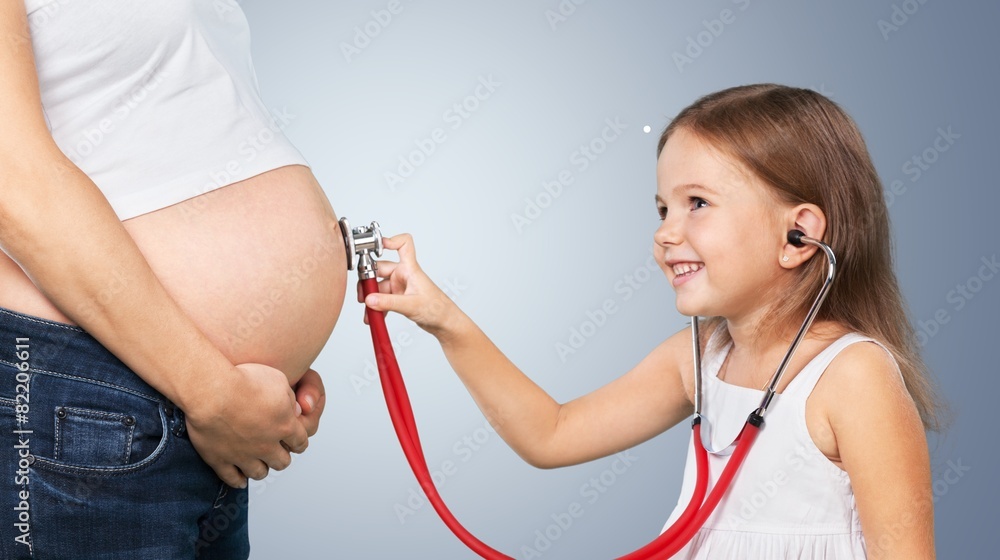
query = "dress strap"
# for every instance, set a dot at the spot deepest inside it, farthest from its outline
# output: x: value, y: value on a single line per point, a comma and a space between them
x: 807, y: 379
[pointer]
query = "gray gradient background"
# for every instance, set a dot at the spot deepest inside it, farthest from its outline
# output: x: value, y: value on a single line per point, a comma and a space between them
x: 354, y: 119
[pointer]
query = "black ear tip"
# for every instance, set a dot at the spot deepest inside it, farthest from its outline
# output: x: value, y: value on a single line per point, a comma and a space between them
x: 795, y: 237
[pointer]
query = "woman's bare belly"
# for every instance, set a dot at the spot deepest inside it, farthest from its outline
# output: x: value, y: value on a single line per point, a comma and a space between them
x: 259, y: 266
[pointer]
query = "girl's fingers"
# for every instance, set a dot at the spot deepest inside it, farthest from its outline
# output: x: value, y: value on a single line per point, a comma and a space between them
x: 403, y: 245
x: 385, y: 268
x: 384, y: 287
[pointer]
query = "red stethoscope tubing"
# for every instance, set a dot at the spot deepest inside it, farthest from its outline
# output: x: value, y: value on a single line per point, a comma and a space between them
x: 406, y: 430
x: 666, y: 545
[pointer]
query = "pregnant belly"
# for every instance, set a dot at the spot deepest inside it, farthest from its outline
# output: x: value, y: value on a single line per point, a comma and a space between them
x: 258, y: 265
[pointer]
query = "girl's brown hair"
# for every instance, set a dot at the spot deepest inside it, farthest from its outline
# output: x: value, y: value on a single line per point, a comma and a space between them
x: 808, y: 150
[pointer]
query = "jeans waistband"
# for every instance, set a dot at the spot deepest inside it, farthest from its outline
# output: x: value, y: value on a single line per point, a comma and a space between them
x: 51, y: 347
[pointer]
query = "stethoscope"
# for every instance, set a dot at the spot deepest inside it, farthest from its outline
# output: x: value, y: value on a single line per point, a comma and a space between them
x: 366, y: 243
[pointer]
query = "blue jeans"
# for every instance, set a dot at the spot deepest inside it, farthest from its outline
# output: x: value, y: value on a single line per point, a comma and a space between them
x: 95, y: 463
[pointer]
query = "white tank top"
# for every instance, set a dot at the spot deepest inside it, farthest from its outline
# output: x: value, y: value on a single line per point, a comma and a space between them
x: 156, y: 101
x: 788, y: 500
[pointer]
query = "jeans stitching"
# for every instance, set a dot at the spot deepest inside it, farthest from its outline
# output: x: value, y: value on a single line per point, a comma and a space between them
x: 223, y: 491
x: 40, y: 321
x: 92, y: 381
x: 128, y: 444
x: 52, y: 465
x: 98, y: 415
x: 57, y: 446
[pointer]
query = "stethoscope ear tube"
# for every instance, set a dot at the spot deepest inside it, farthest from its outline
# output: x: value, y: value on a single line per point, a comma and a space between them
x: 797, y: 238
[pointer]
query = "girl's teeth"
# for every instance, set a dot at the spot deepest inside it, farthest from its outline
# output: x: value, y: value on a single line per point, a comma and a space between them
x: 687, y: 268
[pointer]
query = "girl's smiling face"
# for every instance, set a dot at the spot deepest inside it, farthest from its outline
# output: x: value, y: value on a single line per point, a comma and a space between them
x: 723, y: 232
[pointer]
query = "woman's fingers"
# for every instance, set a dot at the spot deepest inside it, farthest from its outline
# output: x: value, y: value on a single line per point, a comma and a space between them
x: 230, y: 475
x: 298, y: 440
x: 256, y: 469
x: 311, y: 396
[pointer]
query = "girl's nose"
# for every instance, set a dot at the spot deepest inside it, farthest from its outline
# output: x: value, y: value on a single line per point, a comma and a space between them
x: 669, y: 232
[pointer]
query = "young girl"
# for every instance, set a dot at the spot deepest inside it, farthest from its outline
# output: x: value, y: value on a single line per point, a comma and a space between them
x: 840, y: 468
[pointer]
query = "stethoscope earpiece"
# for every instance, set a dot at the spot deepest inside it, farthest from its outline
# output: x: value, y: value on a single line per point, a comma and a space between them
x: 795, y: 237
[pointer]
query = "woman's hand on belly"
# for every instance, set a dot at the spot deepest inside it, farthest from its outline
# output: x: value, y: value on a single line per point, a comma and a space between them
x: 236, y: 423
x: 311, y: 396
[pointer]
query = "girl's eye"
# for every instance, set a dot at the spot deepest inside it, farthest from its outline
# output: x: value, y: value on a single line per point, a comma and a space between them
x: 662, y: 211
x: 698, y: 202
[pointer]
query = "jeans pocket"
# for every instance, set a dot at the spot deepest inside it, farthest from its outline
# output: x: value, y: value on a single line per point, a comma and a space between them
x: 93, y: 428
x: 93, y: 437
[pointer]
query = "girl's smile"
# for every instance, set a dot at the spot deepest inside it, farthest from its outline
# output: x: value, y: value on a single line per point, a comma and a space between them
x: 684, y: 271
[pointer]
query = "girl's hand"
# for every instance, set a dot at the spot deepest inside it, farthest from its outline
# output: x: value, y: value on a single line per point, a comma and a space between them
x: 406, y: 290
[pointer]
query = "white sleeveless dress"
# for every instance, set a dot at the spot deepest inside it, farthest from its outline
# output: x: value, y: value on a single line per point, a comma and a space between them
x: 788, y: 500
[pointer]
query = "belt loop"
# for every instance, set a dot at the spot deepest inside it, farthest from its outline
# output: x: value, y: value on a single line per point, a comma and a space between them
x: 178, y: 426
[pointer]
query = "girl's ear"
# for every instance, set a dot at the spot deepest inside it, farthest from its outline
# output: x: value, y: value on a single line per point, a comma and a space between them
x: 810, y: 220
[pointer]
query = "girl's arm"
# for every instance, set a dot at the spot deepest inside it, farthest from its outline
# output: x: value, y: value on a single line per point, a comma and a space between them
x: 59, y: 228
x: 882, y: 445
x: 633, y: 408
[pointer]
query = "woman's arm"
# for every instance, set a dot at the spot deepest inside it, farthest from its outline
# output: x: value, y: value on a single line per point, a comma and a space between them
x: 882, y: 445
x: 635, y: 407
x: 57, y: 225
